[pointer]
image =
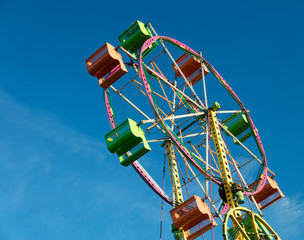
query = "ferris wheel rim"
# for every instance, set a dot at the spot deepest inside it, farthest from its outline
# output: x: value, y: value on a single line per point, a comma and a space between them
x: 170, y: 134
x: 232, y: 215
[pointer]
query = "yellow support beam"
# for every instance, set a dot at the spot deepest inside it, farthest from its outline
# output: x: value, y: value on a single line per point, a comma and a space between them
x: 179, y: 234
x: 225, y: 170
x: 257, y: 225
x: 174, y: 175
x: 222, y: 159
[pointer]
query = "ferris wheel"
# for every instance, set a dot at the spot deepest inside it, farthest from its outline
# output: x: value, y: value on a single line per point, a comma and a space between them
x: 164, y: 99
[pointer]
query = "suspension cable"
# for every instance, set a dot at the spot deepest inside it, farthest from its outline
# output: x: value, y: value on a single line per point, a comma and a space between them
x: 162, y: 202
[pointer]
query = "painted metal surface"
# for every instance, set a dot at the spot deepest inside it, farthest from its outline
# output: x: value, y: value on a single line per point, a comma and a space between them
x: 128, y: 141
x: 251, y: 227
x: 222, y: 159
x: 191, y: 75
x: 137, y: 167
x: 171, y: 134
x: 174, y: 175
x: 107, y: 65
x: 193, y: 216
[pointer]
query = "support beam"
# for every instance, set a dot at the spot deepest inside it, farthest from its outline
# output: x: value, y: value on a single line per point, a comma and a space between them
x: 222, y: 159
x: 174, y: 175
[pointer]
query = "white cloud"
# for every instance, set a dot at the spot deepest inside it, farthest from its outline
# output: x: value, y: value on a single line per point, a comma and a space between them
x: 39, y: 152
x: 48, y: 126
x: 286, y: 217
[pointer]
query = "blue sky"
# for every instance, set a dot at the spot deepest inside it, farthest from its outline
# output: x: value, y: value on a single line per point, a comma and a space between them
x: 57, y: 180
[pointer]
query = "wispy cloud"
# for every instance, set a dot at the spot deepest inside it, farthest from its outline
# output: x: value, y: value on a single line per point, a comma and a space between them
x: 47, y: 172
x: 286, y: 217
x: 48, y: 126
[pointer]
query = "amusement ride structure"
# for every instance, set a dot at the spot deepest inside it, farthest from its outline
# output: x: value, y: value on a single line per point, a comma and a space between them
x: 156, y: 101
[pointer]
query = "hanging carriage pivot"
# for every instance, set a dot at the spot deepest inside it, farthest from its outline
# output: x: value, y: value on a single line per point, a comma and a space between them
x: 106, y: 64
x: 191, y: 68
x: 193, y: 216
x: 128, y: 141
x: 269, y: 194
x: 238, y: 125
x: 134, y: 37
